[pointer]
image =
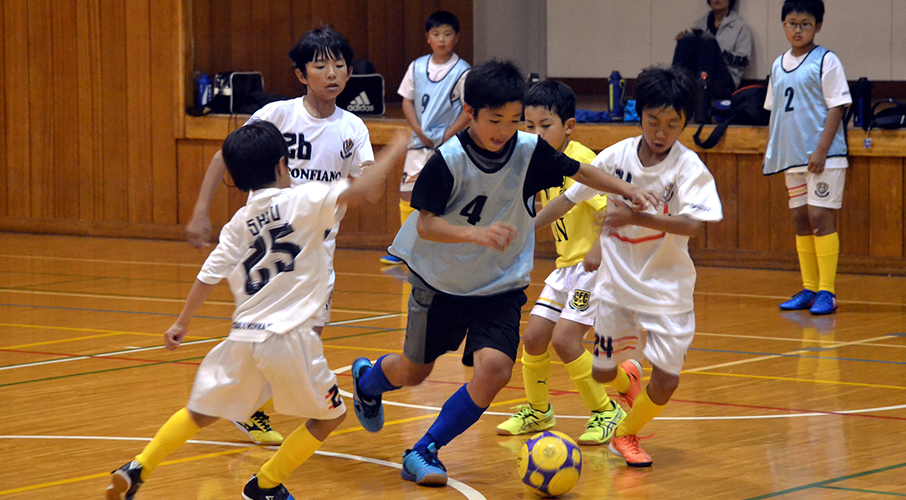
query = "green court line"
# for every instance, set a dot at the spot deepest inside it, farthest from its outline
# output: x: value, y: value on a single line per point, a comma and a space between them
x: 108, y: 370
x: 837, y: 488
x: 823, y: 484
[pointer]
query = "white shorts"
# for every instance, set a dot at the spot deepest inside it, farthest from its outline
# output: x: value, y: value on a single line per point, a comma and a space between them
x: 322, y: 317
x: 818, y: 190
x: 567, y: 294
x: 620, y: 334
x: 415, y: 162
x: 236, y: 378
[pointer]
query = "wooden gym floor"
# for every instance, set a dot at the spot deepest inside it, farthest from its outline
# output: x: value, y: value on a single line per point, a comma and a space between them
x: 770, y: 405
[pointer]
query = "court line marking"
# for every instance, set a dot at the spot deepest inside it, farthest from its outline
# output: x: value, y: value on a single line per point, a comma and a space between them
x: 198, y: 265
x: 829, y: 481
x: 436, y: 409
x: 141, y: 297
x: 467, y: 491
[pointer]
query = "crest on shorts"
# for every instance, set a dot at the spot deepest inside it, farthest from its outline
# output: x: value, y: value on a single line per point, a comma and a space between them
x: 580, y: 300
x: 347, y: 149
x: 822, y: 190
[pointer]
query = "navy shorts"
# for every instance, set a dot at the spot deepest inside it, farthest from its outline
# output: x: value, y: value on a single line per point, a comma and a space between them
x: 438, y: 323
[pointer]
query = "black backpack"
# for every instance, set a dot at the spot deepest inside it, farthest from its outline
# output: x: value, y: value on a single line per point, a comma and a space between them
x: 746, y: 108
x: 892, y: 116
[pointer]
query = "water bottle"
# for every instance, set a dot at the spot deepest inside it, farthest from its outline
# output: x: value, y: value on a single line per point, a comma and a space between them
x: 861, y: 96
x: 615, y: 87
x: 204, y: 90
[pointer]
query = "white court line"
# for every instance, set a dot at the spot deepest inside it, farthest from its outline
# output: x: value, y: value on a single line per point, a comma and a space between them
x: 467, y: 491
x: 585, y: 417
x: 834, y: 345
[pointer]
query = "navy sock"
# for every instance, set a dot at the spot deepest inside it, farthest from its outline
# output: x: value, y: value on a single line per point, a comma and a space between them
x: 374, y: 382
x: 458, y: 414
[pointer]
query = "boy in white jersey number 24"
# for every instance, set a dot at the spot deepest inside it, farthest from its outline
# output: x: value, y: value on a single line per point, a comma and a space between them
x: 643, y: 293
x: 563, y: 312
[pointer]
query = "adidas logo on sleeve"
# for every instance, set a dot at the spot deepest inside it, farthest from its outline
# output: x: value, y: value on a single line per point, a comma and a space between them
x: 361, y: 104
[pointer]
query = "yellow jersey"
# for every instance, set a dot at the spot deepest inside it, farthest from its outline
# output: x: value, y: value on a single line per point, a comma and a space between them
x: 575, y: 232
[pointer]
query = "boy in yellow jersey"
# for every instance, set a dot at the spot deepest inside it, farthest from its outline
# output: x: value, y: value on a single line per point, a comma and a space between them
x: 563, y: 311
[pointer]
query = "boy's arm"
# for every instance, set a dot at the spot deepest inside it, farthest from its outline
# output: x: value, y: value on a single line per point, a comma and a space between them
x: 594, y: 177
x: 619, y: 214
x: 370, y: 185
x: 432, y: 228
x: 409, y: 113
x: 198, y: 230
x: 818, y: 157
x: 554, y: 209
x: 461, y: 122
x: 199, y: 293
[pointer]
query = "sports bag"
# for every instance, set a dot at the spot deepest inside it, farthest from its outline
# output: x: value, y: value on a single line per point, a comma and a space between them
x: 746, y: 108
x: 893, y: 116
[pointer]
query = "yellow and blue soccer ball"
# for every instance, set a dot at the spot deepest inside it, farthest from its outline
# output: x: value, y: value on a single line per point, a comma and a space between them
x: 550, y: 464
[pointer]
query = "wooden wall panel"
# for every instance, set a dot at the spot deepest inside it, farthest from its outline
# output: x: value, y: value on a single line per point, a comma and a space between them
x: 256, y: 36
x: 138, y: 106
x: 114, y: 135
x: 853, y: 219
x: 16, y: 93
x: 4, y: 166
x: 724, y: 235
x: 90, y: 94
x: 752, y: 195
x: 886, y: 207
x: 165, y: 61
x: 90, y: 179
x: 65, y: 72
x: 40, y: 108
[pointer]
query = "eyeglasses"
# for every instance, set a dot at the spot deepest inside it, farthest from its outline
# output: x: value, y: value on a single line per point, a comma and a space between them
x: 798, y: 26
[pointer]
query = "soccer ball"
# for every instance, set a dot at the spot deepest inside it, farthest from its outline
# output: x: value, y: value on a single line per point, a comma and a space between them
x: 550, y: 464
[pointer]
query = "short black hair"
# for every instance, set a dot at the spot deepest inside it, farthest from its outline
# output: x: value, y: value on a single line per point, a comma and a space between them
x: 441, y: 18
x: 251, y: 154
x: 660, y: 87
x: 553, y: 96
x: 493, y: 84
x: 732, y: 3
x: 323, y: 42
x: 813, y: 7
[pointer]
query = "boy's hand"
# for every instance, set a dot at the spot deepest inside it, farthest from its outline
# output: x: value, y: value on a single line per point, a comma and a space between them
x: 592, y: 259
x: 618, y: 214
x: 198, y: 231
x: 497, y: 236
x: 816, y: 161
x: 641, y: 199
x: 174, y: 335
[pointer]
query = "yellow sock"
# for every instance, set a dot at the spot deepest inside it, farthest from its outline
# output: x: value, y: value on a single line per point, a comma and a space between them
x: 179, y: 429
x: 621, y: 382
x: 642, y: 412
x: 593, y: 393
x: 536, y: 374
x: 827, y: 249
x: 405, y: 210
x: 296, y: 448
x: 808, y: 262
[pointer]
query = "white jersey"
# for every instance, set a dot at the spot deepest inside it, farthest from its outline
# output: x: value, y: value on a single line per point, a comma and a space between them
x: 642, y: 269
x: 272, y: 254
x: 320, y: 149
